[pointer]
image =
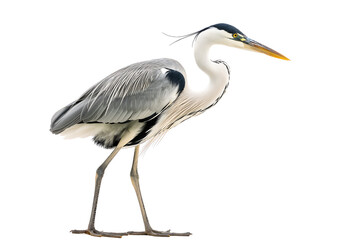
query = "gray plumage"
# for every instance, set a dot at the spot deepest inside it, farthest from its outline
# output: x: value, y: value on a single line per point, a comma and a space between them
x: 137, y: 92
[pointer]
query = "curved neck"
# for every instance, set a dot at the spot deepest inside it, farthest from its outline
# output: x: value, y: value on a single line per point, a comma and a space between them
x: 201, y: 54
x: 217, y: 72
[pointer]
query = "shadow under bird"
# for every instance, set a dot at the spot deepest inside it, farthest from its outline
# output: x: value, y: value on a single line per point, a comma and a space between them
x: 142, y: 101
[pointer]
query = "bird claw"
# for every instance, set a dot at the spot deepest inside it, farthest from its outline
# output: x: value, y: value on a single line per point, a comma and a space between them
x: 96, y: 233
x: 159, y: 233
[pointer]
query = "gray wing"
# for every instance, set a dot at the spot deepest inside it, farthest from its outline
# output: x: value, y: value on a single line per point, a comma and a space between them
x: 137, y: 92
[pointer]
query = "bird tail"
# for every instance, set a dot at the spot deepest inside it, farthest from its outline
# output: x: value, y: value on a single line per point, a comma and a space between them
x: 58, y: 121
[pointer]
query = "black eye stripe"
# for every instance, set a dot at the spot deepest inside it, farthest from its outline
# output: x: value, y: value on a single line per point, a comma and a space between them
x: 228, y: 28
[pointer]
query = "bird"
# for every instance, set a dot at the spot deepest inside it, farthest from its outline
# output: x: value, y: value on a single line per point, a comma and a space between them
x: 143, y: 101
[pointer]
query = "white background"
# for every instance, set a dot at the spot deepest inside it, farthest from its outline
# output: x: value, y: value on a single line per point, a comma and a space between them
x: 277, y: 158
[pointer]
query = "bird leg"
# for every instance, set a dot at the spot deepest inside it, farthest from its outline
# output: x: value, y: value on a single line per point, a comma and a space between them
x: 99, y: 175
x: 135, y: 181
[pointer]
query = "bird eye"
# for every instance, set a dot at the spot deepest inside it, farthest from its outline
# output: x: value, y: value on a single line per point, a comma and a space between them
x: 235, y: 35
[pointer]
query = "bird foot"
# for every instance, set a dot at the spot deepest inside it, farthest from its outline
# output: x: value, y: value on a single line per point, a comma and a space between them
x: 155, y: 233
x: 96, y: 233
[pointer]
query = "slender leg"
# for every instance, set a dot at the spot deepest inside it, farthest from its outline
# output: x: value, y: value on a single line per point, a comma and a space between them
x: 135, y: 181
x: 131, y: 133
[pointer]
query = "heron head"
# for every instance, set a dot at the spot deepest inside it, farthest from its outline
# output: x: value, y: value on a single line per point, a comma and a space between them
x: 228, y: 35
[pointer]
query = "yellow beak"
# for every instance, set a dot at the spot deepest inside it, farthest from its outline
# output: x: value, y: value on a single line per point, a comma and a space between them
x: 253, y: 45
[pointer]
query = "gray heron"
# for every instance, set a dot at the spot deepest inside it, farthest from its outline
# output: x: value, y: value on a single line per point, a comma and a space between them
x: 142, y: 101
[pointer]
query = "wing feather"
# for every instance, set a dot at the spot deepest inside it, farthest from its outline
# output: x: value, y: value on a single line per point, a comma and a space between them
x: 131, y: 93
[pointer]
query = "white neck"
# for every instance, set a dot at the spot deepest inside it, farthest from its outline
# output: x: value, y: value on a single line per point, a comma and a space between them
x: 217, y: 72
x: 190, y: 102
